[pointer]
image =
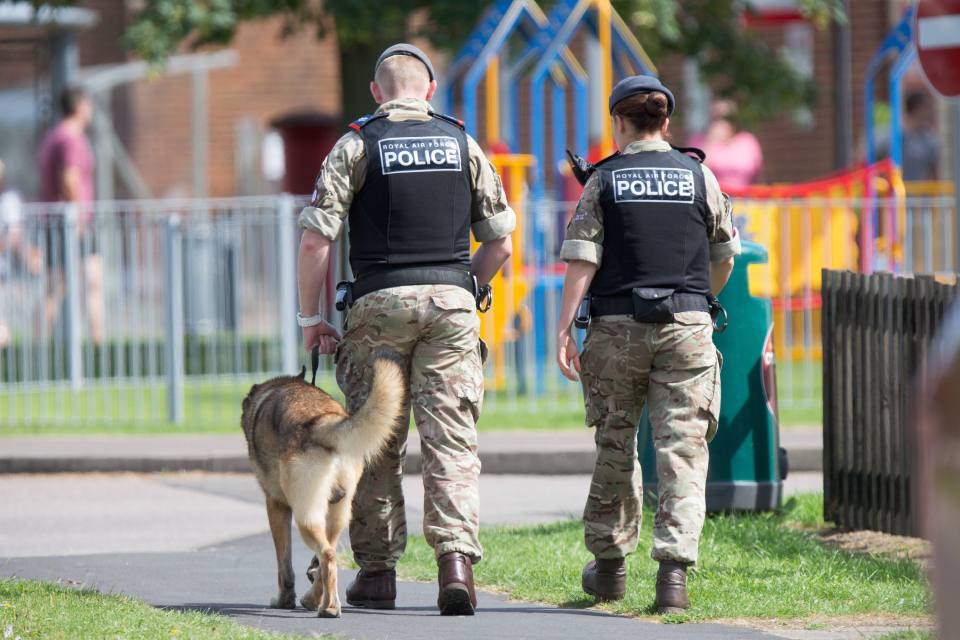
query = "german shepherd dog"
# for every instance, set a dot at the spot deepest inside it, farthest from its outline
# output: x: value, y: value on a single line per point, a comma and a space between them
x: 308, y: 454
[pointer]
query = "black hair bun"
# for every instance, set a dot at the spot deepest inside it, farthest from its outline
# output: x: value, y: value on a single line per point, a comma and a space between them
x: 656, y: 104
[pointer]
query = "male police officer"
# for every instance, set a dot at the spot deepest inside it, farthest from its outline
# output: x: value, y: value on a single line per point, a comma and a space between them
x: 652, y: 237
x: 413, y: 186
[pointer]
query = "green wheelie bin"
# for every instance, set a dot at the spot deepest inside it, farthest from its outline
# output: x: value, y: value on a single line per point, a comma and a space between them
x: 747, y: 465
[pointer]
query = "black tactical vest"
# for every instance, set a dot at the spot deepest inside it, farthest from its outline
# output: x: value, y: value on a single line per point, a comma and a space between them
x: 654, y: 224
x: 414, y: 207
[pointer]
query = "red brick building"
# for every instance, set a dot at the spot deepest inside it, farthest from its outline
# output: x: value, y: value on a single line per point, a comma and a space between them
x: 273, y: 76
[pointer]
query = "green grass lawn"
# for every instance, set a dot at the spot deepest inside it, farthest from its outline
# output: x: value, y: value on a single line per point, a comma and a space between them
x: 752, y: 566
x: 800, y: 394
x: 212, y: 405
x: 41, y: 610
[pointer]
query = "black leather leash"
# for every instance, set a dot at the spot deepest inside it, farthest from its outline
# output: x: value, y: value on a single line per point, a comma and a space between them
x: 314, y: 363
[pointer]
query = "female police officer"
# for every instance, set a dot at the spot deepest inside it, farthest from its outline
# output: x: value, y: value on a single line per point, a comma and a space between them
x: 651, y: 239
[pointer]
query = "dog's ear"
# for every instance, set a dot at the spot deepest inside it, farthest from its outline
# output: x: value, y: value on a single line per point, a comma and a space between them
x: 303, y: 372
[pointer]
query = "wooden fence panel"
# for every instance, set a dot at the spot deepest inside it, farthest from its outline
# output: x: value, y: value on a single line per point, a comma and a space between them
x: 876, y: 333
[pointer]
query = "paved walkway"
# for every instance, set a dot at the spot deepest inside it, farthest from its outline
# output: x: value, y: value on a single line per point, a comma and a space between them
x: 81, y: 514
x: 511, y: 452
x: 198, y: 540
x: 235, y: 579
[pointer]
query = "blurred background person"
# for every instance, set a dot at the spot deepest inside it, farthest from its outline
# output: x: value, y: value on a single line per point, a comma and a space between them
x: 66, y: 175
x: 734, y: 156
x: 921, y: 148
x: 15, y: 250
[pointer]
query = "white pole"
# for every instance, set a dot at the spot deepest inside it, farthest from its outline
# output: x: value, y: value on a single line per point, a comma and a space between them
x: 71, y: 275
x: 286, y: 256
x: 173, y: 271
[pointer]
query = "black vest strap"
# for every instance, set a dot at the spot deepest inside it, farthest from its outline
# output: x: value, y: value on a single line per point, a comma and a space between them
x: 387, y: 278
x: 623, y: 305
x: 455, y: 121
x: 693, y: 152
x: 363, y: 121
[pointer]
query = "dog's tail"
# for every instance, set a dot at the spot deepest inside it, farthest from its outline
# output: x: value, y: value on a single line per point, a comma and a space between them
x: 366, y: 432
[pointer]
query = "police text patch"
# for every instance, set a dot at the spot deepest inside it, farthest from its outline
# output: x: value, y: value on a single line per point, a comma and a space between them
x: 427, y: 153
x: 648, y: 184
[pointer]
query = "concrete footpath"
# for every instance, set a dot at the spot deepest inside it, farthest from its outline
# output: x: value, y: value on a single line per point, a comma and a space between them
x: 200, y: 541
x: 501, y: 452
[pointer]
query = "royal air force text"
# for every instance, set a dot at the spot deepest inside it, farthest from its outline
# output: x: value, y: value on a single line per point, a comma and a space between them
x: 650, y: 184
x: 419, y: 154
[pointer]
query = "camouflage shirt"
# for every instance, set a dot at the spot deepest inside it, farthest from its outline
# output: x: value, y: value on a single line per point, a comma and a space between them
x: 345, y: 169
x: 584, y: 236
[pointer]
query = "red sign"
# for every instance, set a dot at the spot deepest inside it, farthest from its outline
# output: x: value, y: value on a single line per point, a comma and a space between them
x: 937, y: 36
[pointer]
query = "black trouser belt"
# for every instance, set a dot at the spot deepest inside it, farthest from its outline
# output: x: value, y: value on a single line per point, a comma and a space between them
x: 402, y: 277
x: 623, y: 305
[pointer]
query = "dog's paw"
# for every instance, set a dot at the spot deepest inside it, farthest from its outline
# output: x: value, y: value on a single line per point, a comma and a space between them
x: 332, y: 612
x: 285, y: 600
x: 309, y: 603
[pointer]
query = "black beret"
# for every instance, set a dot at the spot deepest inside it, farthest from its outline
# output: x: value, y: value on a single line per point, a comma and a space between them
x: 633, y: 85
x: 404, y: 49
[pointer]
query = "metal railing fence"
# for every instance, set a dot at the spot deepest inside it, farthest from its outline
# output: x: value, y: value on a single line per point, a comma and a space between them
x: 194, y: 300
x: 917, y: 234
x: 198, y: 300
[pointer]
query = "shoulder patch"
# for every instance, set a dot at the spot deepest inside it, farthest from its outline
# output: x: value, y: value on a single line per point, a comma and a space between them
x: 363, y: 121
x: 615, y: 154
x: 450, y: 119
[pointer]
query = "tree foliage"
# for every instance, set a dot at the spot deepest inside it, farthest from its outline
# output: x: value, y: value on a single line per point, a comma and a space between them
x: 733, y: 58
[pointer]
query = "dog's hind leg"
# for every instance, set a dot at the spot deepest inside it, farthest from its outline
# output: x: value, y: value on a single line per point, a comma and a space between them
x: 310, y: 483
x: 279, y: 516
x: 330, y: 606
x: 338, y: 517
x: 319, y: 598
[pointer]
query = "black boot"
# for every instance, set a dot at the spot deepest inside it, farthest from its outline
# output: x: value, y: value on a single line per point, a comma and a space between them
x: 373, y: 589
x: 457, y: 595
x: 605, y: 579
x: 672, y: 588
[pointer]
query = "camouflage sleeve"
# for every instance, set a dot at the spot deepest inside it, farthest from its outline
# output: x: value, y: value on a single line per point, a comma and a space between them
x: 341, y: 175
x: 491, y: 216
x: 724, y: 238
x: 584, y: 237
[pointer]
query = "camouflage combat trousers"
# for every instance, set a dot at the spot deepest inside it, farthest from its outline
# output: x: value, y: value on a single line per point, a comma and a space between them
x: 435, y: 329
x: 674, y: 368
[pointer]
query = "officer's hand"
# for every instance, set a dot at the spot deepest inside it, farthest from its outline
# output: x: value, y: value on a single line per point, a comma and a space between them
x: 323, y: 334
x: 566, y: 354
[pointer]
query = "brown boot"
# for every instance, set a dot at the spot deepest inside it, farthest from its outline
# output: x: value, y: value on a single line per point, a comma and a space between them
x: 457, y: 596
x: 373, y: 590
x: 672, y: 588
x: 605, y: 579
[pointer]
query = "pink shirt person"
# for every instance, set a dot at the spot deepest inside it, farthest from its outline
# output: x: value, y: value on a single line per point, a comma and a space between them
x: 736, y: 162
x: 735, y: 157
x: 64, y: 147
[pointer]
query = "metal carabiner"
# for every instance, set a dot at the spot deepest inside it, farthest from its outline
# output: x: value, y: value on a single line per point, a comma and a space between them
x: 485, y: 298
x: 721, y: 320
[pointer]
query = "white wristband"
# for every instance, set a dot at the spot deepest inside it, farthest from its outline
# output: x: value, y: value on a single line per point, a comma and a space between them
x: 310, y: 321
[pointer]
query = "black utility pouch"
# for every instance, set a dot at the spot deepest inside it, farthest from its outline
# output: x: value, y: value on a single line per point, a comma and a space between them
x: 653, y: 305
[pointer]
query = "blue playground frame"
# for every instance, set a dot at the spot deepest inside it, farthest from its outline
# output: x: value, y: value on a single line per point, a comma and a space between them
x: 546, y: 62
